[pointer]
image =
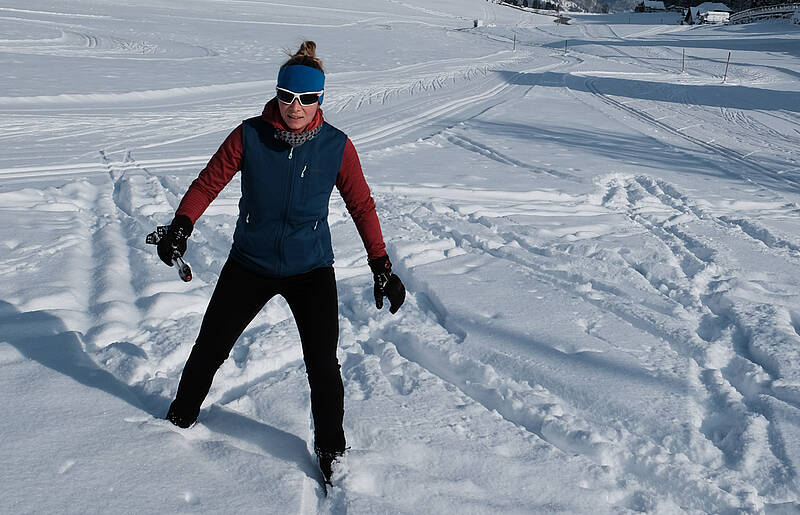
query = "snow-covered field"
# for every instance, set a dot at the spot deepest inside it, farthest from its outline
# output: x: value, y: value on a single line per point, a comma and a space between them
x: 600, y: 246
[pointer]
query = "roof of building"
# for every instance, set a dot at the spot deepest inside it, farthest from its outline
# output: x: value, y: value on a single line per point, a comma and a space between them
x: 709, y: 6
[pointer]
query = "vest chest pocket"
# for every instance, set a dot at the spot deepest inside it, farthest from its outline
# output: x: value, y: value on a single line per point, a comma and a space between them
x: 315, y: 192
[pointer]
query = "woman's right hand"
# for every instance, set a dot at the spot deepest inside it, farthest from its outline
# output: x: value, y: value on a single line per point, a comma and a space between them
x: 173, y: 244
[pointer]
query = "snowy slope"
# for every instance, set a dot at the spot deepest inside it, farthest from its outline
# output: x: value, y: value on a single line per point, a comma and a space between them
x: 600, y: 247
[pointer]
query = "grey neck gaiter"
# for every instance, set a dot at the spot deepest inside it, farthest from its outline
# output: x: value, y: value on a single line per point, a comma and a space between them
x: 296, y: 139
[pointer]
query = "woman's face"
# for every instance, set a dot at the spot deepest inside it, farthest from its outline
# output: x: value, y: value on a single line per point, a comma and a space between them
x: 296, y: 116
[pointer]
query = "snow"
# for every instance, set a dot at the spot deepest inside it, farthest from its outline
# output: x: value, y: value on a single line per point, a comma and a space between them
x: 599, y: 244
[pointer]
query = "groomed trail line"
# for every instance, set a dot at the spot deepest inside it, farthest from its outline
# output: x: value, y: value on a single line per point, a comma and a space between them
x: 48, y: 172
x: 170, y: 97
x: 381, y: 133
x: 432, y: 115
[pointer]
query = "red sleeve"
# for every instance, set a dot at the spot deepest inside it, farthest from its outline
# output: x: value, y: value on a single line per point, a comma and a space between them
x: 354, y: 190
x: 214, y: 177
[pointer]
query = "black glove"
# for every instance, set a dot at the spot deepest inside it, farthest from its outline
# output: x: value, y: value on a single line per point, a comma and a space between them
x: 173, y: 244
x: 387, y: 284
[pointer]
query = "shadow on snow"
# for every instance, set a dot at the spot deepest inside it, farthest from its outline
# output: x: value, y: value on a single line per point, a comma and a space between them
x: 711, y: 95
x: 42, y: 337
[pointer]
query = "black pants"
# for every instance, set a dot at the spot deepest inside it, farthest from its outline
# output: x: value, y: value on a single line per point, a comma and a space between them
x: 238, y: 297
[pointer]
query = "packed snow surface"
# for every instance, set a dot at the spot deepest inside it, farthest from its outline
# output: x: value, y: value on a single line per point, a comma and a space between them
x: 599, y: 239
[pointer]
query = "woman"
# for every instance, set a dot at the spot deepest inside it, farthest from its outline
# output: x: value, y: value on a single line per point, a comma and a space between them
x: 290, y: 160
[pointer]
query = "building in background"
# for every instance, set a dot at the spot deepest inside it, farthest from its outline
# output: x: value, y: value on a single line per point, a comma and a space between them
x: 708, y: 12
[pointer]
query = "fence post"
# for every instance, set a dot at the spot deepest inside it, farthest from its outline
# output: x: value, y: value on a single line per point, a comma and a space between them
x: 726, y: 68
x: 683, y: 65
x: 515, y: 43
x: 565, y: 47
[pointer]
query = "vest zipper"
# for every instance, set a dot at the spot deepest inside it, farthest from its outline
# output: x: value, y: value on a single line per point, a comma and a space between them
x: 286, y: 208
x: 303, y: 173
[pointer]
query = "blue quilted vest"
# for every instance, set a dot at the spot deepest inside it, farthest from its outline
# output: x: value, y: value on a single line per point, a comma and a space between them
x: 282, y: 228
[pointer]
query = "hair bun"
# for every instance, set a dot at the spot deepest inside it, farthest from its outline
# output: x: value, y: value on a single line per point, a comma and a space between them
x: 306, y: 55
x: 307, y: 49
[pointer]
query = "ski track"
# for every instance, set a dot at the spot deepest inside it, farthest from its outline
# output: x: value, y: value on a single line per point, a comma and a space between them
x: 698, y: 264
x: 78, y: 40
x: 123, y: 221
x: 112, y: 289
x: 492, y: 153
x: 538, y: 410
x: 426, y: 83
x: 737, y: 165
x: 119, y: 206
x: 733, y: 388
x: 693, y: 313
x: 767, y: 137
x: 383, y: 133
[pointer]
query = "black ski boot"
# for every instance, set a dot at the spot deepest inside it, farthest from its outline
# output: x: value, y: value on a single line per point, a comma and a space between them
x: 181, y: 417
x: 326, y: 459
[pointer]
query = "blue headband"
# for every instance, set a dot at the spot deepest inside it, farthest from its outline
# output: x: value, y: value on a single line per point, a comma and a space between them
x: 301, y: 79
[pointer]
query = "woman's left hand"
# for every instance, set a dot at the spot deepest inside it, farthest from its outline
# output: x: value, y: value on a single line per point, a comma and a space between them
x: 387, y: 284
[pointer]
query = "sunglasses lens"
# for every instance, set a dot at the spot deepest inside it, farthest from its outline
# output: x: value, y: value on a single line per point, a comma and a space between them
x: 285, y: 96
x: 308, y: 98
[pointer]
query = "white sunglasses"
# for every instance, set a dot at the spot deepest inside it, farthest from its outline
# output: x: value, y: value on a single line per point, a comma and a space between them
x: 306, y: 99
